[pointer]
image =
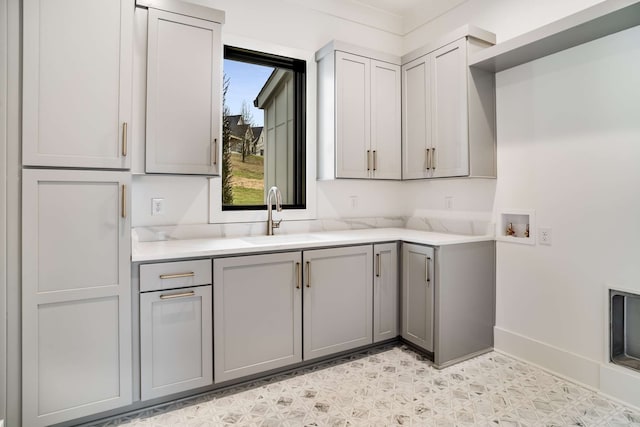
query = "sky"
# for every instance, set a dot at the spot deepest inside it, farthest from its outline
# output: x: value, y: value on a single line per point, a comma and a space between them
x: 245, y: 82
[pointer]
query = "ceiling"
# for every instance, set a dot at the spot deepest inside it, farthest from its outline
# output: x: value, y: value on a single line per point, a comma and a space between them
x: 396, y: 16
x: 397, y: 7
x: 413, y: 13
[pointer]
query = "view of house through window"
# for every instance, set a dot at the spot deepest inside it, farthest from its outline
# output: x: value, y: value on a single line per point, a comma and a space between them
x: 263, y: 124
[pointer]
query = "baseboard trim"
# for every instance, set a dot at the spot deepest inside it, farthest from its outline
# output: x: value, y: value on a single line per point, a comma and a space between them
x: 561, y: 362
x: 614, y: 382
x: 621, y: 384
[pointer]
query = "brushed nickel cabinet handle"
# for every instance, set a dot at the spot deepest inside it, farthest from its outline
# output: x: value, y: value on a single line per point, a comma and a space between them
x: 427, y: 163
x: 375, y: 158
x: 297, y: 275
x: 214, y: 152
x: 433, y: 158
x: 426, y: 270
x: 368, y: 160
x: 177, y: 276
x: 180, y: 295
x: 124, y: 201
x: 377, y: 265
x: 308, y: 274
x: 124, y: 139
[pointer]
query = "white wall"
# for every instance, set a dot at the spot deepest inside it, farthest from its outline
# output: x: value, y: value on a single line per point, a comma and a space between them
x: 569, y: 147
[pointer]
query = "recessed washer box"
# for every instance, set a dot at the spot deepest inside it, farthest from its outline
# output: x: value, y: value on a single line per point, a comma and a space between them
x: 521, y: 221
x: 624, y: 336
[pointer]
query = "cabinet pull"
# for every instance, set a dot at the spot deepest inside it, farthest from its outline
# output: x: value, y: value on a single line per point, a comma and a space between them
x: 433, y: 158
x: 308, y: 274
x: 377, y: 265
x: 124, y: 201
x: 427, y: 165
x: 180, y: 295
x: 297, y: 275
x: 375, y: 157
x: 214, y: 151
x: 124, y: 139
x: 368, y: 160
x: 177, y: 276
x: 426, y: 270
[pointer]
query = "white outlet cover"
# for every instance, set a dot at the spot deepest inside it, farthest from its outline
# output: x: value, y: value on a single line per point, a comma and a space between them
x: 544, y: 236
x: 157, y: 207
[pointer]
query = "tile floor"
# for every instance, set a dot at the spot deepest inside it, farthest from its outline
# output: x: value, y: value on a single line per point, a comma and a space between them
x: 396, y: 386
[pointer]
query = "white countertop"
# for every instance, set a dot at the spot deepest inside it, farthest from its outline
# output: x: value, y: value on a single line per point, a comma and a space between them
x: 194, y: 248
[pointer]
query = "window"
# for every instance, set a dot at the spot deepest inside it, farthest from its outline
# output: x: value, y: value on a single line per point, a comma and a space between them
x: 263, y: 129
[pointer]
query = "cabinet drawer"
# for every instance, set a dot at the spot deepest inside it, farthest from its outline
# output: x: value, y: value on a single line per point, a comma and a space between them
x: 170, y: 275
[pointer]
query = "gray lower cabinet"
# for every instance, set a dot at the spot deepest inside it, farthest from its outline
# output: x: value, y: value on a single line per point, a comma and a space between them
x: 448, y: 299
x: 338, y: 300
x: 175, y: 341
x: 417, y: 295
x: 257, y: 314
x: 385, y: 292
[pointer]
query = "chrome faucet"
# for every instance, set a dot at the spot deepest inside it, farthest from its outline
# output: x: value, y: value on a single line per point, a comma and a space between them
x: 270, y: 224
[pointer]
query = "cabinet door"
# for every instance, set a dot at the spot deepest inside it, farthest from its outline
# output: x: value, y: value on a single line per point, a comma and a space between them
x: 77, y: 65
x: 353, y: 116
x: 385, y: 292
x: 183, y: 94
x: 338, y: 300
x: 175, y: 341
x: 450, y: 148
x: 416, y: 118
x: 76, y: 296
x: 257, y: 314
x: 417, y: 295
x: 385, y: 121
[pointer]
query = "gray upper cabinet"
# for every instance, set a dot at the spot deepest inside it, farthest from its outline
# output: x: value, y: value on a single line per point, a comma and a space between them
x: 359, y: 113
x: 77, y: 73
x: 448, y: 110
x: 76, y: 294
x: 184, y: 101
x: 338, y: 300
x: 386, y: 314
x: 418, y: 285
x: 257, y: 314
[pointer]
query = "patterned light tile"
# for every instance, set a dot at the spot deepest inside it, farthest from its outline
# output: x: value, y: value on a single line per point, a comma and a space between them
x: 395, y: 386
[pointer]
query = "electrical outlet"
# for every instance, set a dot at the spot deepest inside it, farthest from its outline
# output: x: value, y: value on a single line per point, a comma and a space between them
x: 448, y: 203
x: 544, y: 234
x: 354, y: 202
x: 157, y: 207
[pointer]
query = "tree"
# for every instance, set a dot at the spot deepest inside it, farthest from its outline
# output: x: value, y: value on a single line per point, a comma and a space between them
x: 227, y: 172
x: 247, y: 117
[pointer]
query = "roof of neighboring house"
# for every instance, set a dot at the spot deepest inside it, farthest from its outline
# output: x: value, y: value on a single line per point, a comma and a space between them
x: 236, y: 119
x: 257, y: 131
x: 239, y: 131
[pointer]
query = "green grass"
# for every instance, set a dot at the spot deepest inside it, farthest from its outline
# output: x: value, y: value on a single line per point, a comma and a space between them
x: 247, y: 196
x: 251, y: 168
x: 247, y: 179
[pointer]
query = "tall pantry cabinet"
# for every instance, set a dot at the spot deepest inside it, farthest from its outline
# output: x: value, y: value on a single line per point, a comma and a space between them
x: 76, y: 273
